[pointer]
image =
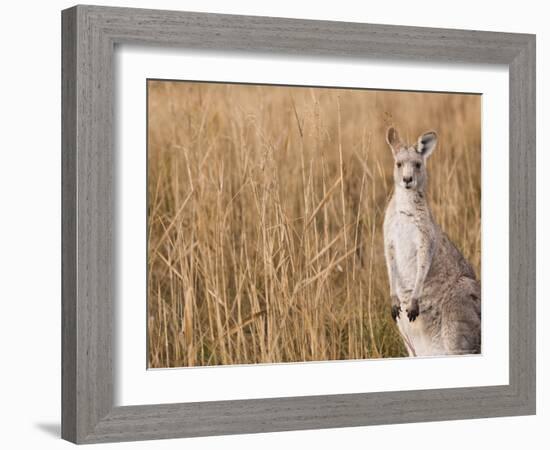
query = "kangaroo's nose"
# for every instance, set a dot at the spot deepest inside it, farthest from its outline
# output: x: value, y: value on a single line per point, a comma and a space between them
x: 407, y: 180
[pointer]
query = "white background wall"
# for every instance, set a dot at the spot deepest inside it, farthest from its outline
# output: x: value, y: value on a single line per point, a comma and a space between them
x: 30, y: 209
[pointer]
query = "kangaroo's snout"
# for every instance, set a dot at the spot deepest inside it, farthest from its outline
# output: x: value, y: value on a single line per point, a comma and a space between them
x: 407, y: 181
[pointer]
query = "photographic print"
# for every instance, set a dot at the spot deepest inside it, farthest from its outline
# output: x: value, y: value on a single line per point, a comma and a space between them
x: 294, y: 224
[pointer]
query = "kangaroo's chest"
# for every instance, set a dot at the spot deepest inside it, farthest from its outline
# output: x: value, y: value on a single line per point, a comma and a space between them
x: 405, y: 236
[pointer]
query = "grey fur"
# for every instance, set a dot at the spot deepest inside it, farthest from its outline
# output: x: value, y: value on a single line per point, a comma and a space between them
x: 430, y: 280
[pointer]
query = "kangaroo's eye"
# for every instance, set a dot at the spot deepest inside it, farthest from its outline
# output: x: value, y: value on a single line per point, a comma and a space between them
x: 398, y: 165
x: 417, y: 165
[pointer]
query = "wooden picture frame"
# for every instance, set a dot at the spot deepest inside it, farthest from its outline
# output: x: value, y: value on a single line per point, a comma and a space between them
x: 90, y: 34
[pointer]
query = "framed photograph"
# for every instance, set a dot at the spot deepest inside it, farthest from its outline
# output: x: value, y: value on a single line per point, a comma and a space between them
x: 277, y: 224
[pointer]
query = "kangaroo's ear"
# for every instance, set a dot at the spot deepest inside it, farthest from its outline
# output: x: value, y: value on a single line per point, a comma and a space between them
x: 426, y: 143
x: 393, y: 140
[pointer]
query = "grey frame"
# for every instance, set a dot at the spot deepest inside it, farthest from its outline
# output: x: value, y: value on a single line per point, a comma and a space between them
x: 89, y: 36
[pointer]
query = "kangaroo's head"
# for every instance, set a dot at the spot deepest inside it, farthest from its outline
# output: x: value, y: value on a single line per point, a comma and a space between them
x: 409, y: 170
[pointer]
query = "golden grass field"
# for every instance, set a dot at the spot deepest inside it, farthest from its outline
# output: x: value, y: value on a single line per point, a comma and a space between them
x: 265, y: 212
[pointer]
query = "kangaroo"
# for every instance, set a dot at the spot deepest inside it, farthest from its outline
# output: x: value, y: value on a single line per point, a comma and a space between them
x: 430, y: 280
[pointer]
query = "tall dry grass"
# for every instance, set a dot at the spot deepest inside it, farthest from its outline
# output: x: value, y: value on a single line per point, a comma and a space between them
x: 265, y: 212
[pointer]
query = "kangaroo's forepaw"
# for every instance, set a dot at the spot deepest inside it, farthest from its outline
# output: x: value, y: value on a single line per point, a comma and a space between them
x: 395, y: 310
x: 413, y: 311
